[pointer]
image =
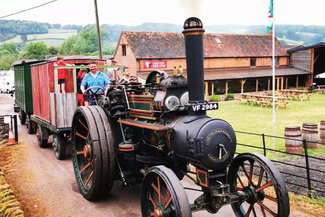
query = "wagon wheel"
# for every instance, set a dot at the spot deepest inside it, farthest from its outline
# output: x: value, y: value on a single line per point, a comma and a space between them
x: 42, y: 141
x: 22, y: 117
x: 59, y: 145
x: 163, y: 195
x: 30, y: 128
x: 259, y: 178
x: 93, y: 152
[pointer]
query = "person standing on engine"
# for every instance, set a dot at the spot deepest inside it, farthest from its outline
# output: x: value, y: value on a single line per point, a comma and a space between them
x: 61, y: 73
x: 95, y: 78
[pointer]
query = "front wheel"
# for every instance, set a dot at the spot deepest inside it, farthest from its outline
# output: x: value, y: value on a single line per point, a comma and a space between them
x: 22, y: 117
x: 162, y: 194
x: 258, y: 178
x: 41, y: 137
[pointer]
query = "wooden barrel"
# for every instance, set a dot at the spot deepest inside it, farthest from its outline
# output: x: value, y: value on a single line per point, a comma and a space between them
x: 322, y: 131
x: 308, y: 126
x: 293, y: 142
x: 310, y: 134
x: 4, y: 131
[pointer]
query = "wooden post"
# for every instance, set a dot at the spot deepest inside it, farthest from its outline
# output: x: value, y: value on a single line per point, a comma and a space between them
x: 312, y: 65
x: 282, y: 83
x: 242, y: 82
x: 226, y: 87
x: 268, y: 84
x: 287, y: 82
x: 297, y: 81
x: 212, y: 88
x: 206, y: 90
x: 277, y: 83
x: 256, y: 84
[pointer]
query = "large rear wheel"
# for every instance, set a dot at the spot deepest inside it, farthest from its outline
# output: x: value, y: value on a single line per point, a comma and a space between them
x: 162, y: 194
x: 257, y: 177
x: 93, y: 152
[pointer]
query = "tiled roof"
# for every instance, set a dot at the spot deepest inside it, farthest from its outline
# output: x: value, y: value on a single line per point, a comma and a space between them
x: 228, y: 74
x: 211, y: 75
x: 171, y: 45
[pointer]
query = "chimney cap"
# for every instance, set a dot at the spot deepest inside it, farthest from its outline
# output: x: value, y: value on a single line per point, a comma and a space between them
x: 192, y: 23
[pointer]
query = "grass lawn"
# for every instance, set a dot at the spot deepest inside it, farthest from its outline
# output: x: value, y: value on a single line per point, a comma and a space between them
x: 254, y: 119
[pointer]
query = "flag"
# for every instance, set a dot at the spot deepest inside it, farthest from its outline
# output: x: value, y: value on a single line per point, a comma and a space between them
x: 270, y: 16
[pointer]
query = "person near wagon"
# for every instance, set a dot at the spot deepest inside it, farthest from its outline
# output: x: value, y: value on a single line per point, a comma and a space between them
x: 81, y: 74
x: 94, y: 78
x: 111, y: 72
x: 61, y: 73
x: 127, y: 77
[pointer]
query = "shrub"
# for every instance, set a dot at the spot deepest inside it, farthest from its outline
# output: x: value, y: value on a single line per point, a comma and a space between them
x: 301, y: 88
x: 230, y: 96
x: 215, y: 97
x: 311, y: 89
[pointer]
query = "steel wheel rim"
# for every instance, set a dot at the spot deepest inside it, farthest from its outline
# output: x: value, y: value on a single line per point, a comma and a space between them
x: 254, y: 179
x: 83, y: 161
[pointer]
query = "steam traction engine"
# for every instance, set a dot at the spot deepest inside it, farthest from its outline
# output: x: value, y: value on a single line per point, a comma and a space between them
x: 151, y: 133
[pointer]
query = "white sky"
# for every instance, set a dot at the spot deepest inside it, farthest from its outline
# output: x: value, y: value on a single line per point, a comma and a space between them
x: 135, y: 12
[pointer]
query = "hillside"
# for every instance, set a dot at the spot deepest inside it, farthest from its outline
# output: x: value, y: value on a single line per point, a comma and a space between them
x: 55, y: 34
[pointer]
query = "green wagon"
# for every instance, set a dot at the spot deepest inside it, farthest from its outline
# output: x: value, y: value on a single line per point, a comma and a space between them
x: 23, y: 91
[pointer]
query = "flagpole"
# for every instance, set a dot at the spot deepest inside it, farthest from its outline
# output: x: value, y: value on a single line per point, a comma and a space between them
x: 273, y: 75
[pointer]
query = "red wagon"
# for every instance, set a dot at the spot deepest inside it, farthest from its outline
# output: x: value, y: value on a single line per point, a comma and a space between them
x: 53, y: 111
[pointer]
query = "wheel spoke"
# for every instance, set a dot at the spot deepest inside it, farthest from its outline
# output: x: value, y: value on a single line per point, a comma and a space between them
x: 266, y: 208
x: 254, y: 212
x: 159, y: 193
x: 91, y: 174
x: 264, y: 186
x: 249, y: 211
x: 85, y: 167
x: 271, y: 198
x: 243, y: 167
x: 250, y: 173
x: 78, y: 134
x: 80, y: 152
x: 150, y: 198
x: 241, y: 182
x: 263, y: 211
x: 260, y: 176
x: 83, y: 125
x: 168, y: 202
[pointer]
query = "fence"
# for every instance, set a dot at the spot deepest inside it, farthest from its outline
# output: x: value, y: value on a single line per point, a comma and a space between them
x: 303, y: 173
x: 8, y: 122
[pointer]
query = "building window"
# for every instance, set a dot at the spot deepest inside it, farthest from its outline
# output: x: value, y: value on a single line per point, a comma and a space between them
x: 123, y: 50
x: 253, y: 62
x: 218, y: 40
x: 276, y: 61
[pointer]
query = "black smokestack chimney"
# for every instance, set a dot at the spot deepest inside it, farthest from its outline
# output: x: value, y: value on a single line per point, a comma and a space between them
x: 193, y: 33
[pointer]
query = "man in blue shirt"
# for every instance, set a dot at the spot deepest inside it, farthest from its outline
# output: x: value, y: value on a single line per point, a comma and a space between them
x: 95, y: 78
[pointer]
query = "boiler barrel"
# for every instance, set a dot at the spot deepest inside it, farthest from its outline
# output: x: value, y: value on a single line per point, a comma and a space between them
x: 293, y: 142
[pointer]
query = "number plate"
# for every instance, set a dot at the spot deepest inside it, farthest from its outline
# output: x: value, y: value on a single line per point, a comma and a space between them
x: 205, y: 107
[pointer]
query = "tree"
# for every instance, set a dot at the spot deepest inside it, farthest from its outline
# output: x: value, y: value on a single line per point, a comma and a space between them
x: 85, y: 42
x: 6, y: 61
x: 37, y: 50
x: 10, y: 47
x: 56, y: 26
x: 53, y: 50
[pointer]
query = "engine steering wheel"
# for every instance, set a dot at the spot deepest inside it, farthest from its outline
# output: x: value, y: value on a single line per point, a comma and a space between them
x: 93, y: 94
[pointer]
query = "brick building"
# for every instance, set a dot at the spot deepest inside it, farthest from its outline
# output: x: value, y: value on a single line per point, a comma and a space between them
x: 232, y: 63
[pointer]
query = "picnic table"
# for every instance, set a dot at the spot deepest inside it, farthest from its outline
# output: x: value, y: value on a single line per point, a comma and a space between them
x: 263, y: 100
x: 295, y: 94
x: 320, y: 89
